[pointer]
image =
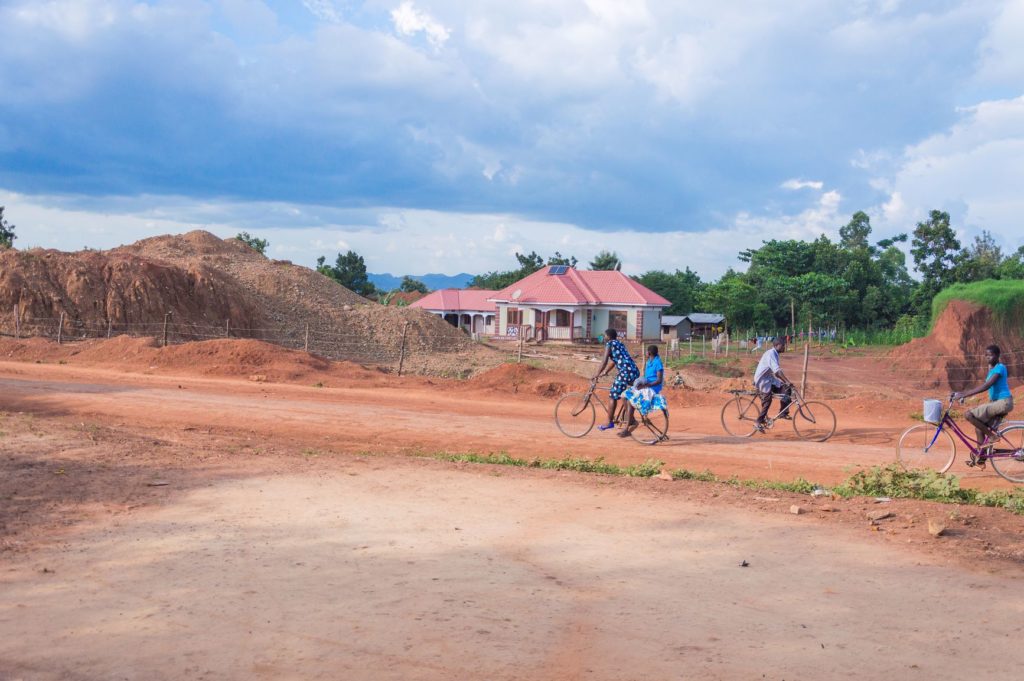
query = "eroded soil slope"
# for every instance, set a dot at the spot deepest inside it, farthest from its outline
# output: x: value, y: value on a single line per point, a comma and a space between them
x: 953, y: 354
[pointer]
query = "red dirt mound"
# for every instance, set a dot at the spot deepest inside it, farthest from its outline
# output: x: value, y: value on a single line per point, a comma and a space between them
x: 235, y: 358
x: 214, y: 288
x: 953, y: 355
x: 525, y: 379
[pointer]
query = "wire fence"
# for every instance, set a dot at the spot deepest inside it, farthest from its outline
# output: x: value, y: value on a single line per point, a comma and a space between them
x: 410, y: 350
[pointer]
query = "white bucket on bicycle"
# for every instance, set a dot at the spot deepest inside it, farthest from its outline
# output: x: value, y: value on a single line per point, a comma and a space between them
x: 932, y: 411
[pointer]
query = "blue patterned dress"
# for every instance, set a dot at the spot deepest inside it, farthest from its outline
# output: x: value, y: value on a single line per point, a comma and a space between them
x: 628, y: 372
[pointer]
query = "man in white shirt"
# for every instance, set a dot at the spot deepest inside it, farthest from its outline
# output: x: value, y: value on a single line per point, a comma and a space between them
x: 770, y: 380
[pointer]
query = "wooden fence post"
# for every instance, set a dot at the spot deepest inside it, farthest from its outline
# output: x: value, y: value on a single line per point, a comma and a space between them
x: 17, y: 322
x: 60, y: 328
x: 305, y: 342
x: 401, y: 353
x: 110, y: 323
x: 803, y: 380
x: 519, y: 359
x: 227, y: 328
x: 166, y: 318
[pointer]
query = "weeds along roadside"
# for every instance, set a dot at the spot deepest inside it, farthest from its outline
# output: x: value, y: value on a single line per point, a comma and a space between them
x: 878, y: 481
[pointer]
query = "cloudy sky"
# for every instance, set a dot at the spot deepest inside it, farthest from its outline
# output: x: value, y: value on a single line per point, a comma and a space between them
x: 444, y: 135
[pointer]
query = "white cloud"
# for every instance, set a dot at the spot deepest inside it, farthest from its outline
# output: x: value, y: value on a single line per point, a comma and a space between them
x: 1002, y: 50
x: 972, y: 171
x: 409, y: 21
x: 414, y: 241
x: 323, y: 10
x: 795, y: 184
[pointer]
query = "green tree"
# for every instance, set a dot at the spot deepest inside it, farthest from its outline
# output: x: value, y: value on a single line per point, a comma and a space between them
x: 606, y: 260
x: 559, y: 259
x: 409, y: 285
x: 738, y: 301
x: 682, y: 289
x: 6, y: 231
x: 258, y: 245
x: 528, y: 264
x: 935, y: 250
x: 981, y: 260
x: 349, y: 270
x: 1012, y: 266
x: 855, y: 233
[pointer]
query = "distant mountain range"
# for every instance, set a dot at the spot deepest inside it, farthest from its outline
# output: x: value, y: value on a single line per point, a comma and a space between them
x: 389, y: 282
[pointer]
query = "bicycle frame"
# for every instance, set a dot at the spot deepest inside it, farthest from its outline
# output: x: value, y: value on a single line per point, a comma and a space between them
x: 973, y: 445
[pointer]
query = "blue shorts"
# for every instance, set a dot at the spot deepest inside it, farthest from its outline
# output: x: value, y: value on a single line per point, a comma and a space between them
x: 621, y: 382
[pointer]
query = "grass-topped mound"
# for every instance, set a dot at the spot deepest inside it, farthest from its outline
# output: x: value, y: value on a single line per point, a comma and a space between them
x: 967, y: 318
x: 1003, y: 297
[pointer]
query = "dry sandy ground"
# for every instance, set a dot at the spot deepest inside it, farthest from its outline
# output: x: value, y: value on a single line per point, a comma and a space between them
x: 280, y: 549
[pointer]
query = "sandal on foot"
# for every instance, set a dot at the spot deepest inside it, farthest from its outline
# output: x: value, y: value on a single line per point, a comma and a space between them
x: 606, y: 426
x: 623, y: 433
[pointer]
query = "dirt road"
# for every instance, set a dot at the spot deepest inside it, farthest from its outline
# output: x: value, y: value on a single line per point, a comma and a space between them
x: 168, y: 527
x: 392, y: 570
x: 433, y: 419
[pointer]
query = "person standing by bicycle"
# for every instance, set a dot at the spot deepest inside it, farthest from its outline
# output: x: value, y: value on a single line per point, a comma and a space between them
x: 1000, y: 398
x: 770, y: 380
x: 616, y: 355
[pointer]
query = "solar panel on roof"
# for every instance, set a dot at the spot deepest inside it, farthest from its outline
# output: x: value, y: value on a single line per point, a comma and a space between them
x: 558, y: 269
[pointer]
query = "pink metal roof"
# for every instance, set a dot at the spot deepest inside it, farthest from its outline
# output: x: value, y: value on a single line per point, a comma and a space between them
x: 457, y: 300
x: 579, y: 287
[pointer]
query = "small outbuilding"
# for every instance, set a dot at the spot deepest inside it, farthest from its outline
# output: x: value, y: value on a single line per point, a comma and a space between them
x: 693, y: 325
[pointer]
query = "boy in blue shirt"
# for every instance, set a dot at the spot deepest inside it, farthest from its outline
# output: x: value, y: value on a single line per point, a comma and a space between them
x: 1001, y: 400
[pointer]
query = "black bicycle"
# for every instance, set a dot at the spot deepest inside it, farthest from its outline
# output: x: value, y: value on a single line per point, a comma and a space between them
x: 576, y: 413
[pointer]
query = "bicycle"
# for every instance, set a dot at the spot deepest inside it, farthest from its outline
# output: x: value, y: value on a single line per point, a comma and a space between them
x: 575, y: 414
x: 930, y: 446
x: 812, y: 420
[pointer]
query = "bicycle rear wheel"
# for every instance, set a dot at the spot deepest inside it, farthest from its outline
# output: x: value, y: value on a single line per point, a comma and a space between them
x: 1010, y: 465
x: 652, y: 428
x: 926, y: 447
x: 575, y: 414
x: 739, y: 416
x: 814, y: 421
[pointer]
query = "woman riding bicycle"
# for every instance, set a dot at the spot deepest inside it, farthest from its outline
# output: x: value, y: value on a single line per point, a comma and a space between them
x: 1000, y: 398
x: 616, y: 355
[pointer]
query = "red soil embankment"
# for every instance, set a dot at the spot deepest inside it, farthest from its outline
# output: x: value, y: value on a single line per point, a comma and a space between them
x: 953, y: 354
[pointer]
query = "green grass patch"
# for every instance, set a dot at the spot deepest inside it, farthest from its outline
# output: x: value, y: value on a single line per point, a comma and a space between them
x: 907, y: 328
x: 1005, y: 297
x: 723, y: 367
x: 878, y: 481
x: 893, y: 481
x: 646, y: 469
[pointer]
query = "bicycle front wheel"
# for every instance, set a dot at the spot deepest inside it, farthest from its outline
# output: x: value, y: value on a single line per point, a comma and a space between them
x: 739, y: 416
x: 1010, y: 465
x: 926, y: 447
x: 652, y: 428
x: 814, y: 421
x: 574, y: 414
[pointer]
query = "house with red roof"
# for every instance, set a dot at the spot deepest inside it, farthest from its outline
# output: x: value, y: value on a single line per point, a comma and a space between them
x: 559, y: 302
x: 468, y: 309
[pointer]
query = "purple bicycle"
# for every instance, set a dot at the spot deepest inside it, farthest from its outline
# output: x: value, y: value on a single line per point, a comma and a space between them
x: 930, y: 446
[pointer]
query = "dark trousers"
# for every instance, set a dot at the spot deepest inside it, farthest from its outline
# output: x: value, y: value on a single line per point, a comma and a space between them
x: 784, y: 392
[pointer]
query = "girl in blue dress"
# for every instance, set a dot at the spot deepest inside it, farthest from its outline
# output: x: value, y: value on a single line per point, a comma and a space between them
x: 616, y: 355
x: 645, y: 395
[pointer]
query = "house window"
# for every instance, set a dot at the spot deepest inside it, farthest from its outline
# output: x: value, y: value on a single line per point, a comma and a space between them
x: 559, y: 318
x: 514, y: 316
x: 617, y: 321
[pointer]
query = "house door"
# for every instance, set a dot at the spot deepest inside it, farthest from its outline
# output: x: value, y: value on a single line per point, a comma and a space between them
x: 617, y: 321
